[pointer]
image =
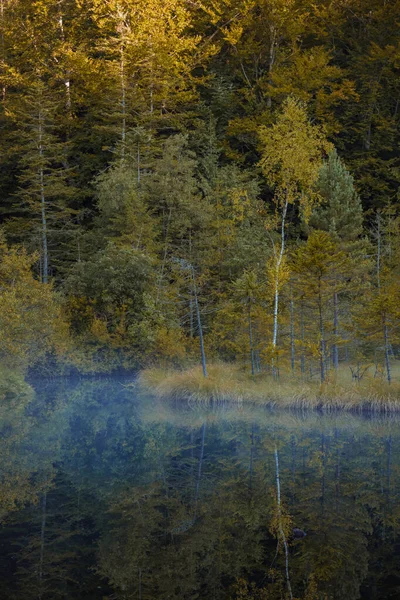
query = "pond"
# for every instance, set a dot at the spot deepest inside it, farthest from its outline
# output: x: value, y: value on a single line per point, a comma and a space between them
x: 107, y: 496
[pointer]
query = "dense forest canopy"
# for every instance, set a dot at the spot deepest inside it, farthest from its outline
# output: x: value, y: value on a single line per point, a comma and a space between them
x: 225, y: 169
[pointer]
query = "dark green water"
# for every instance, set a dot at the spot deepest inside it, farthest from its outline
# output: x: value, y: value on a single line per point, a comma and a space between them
x: 106, y: 496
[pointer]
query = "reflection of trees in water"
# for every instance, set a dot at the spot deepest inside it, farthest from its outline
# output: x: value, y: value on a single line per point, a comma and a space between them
x: 157, y: 502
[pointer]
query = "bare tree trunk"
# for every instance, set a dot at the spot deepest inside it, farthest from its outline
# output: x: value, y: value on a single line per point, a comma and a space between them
x: 281, y: 531
x: 387, y: 351
x: 164, y: 260
x: 251, y: 340
x: 138, y: 163
x: 379, y: 251
x: 3, y: 46
x: 199, y: 325
x: 292, y: 344
x: 45, y: 256
x: 278, y: 263
x: 191, y: 318
x: 302, y: 358
x: 335, y: 350
x: 123, y: 103
x: 322, y: 339
x: 271, y: 60
x: 67, y: 79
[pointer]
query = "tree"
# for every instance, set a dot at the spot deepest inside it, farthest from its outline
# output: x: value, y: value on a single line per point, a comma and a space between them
x: 31, y: 321
x: 339, y: 210
x: 317, y: 264
x: 292, y: 152
x: 125, y: 217
x: 148, y: 51
x: 247, y: 289
x: 340, y: 213
x: 109, y: 310
x: 44, y: 187
x: 378, y: 317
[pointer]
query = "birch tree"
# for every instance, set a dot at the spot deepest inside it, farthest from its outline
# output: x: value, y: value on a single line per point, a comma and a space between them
x: 291, y: 156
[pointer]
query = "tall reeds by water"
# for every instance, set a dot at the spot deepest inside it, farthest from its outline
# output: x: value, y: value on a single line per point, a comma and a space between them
x: 230, y: 383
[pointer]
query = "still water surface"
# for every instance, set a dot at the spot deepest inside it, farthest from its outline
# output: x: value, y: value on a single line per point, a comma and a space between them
x: 107, y: 496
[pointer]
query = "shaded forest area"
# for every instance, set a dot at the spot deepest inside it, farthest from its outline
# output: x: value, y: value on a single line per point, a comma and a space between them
x: 226, y: 169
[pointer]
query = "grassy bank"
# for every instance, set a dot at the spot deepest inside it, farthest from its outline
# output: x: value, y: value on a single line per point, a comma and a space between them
x: 229, y: 383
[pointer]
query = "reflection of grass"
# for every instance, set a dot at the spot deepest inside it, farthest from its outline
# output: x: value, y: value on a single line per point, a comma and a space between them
x: 229, y: 383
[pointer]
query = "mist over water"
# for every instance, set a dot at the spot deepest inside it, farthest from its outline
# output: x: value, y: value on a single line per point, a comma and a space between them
x: 105, y: 495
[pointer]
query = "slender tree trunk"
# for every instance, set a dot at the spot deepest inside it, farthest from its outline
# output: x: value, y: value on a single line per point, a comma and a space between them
x: 271, y: 60
x: 379, y: 251
x: 164, y: 260
x: 45, y: 258
x: 199, y: 325
x: 302, y: 358
x: 3, y: 45
x: 191, y: 317
x: 322, y: 338
x: 292, y: 344
x: 281, y: 531
x: 67, y: 78
x: 251, y: 339
x: 335, y: 350
x: 123, y: 103
x: 278, y: 263
x: 138, y: 164
x: 45, y: 255
x: 387, y: 350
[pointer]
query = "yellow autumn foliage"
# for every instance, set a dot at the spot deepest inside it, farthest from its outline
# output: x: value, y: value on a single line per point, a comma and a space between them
x: 31, y: 322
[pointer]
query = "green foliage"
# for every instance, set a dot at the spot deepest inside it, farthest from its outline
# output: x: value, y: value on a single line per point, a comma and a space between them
x: 340, y: 211
x: 31, y: 321
x: 292, y: 151
x: 139, y: 137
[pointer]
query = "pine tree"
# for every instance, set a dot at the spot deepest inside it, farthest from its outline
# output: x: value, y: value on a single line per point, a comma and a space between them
x: 340, y: 213
x: 44, y: 189
x: 317, y: 265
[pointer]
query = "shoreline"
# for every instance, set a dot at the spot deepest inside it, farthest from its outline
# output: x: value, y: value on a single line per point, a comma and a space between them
x: 230, y: 384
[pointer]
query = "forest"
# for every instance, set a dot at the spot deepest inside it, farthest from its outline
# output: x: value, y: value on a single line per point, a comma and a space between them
x: 195, y: 182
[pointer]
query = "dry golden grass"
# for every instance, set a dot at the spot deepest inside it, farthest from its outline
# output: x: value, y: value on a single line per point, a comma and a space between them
x: 230, y: 383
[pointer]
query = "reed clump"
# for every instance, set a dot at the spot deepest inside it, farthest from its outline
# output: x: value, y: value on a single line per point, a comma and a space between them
x: 231, y: 383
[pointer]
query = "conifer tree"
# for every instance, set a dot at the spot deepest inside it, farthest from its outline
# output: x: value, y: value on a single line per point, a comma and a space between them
x: 44, y: 189
x: 339, y: 210
x: 340, y: 213
x: 318, y: 263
